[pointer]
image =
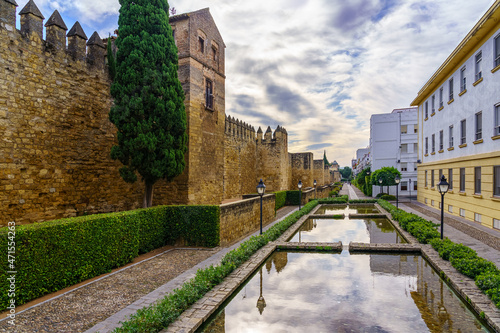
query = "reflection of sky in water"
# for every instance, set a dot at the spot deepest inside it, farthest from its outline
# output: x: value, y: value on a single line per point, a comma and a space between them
x: 345, y: 293
x: 344, y: 209
x: 372, y: 230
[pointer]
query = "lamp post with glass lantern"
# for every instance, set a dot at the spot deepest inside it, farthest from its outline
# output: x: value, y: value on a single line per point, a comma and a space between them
x: 368, y: 178
x: 380, y: 182
x: 300, y: 192
x: 397, y: 180
x: 315, y: 188
x: 261, y: 188
x: 442, y: 188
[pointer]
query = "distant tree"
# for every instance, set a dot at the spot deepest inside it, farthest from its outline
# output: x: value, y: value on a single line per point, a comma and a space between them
x: 387, y: 174
x: 346, y: 172
x: 148, y: 108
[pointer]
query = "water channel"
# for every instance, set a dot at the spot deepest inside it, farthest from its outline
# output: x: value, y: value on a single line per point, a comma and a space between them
x: 324, y: 292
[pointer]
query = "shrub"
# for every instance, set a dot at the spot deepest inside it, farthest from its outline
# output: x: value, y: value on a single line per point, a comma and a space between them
x: 280, y: 199
x: 388, y: 197
x: 333, y: 193
x: 380, y: 194
x: 355, y: 201
x: 473, y: 266
x: 292, y: 198
x: 488, y: 281
x: 56, y: 254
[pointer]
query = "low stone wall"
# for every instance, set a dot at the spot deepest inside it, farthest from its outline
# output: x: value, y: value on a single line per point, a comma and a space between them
x: 239, y: 218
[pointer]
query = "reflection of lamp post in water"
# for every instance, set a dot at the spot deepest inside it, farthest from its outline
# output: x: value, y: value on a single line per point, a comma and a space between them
x: 261, y: 302
x: 300, y: 192
x: 315, y: 188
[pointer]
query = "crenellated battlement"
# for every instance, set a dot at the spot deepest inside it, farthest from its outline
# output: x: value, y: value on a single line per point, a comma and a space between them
x: 239, y: 129
x: 74, y: 44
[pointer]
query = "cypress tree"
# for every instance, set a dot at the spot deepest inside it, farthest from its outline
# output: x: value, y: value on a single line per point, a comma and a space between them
x: 148, y: 108
x: 325, y: 159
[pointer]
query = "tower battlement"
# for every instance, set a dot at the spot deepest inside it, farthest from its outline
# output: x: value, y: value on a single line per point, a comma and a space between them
x: 74, y: 45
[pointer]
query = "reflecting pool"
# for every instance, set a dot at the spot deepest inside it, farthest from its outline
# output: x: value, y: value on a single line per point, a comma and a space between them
x: 322, y: 292
x: 347, y: 209
x: 366, y: 230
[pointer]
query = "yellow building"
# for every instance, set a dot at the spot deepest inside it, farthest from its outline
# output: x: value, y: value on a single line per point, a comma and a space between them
x: 459, y: 117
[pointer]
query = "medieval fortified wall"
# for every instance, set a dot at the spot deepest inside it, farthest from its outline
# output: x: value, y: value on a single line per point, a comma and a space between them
x: 56, y: 136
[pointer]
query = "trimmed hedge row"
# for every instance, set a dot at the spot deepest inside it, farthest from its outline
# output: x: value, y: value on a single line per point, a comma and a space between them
x: 292, y: 198
x: 280, y: 199
x: 56, y: 254
x: 161, y: 314
x: 466, y: 261
x: 339, y: 200
x: 463, y: 258
x: 355, y: 201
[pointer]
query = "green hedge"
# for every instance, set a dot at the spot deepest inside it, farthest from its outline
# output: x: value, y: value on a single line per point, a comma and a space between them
x: 292, y: 198
x: 464, y: 259
x: 56, y: 254
x: 339, y: 200
x: 161, y: 314
x: 280, y: 199
x: 355, y: 201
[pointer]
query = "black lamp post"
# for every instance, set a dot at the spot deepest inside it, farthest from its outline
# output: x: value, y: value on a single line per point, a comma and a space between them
x: 380, y: 182
x: 410, y: 188
x: 300, y: 192
x: 442, y: 188
x: 366, y: 180
x: 261, y: 188
x: 315, y: 188
x: 397, y: 180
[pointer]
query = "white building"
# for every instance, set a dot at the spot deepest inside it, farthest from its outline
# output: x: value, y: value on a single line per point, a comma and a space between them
x: 393, y: 143
x: 362, y: 160
x: 459, y: 113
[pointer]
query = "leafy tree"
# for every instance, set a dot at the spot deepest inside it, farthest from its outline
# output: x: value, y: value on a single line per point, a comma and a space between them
x: 148, y: 108
x: 387, y: 174
x: 346, y: 172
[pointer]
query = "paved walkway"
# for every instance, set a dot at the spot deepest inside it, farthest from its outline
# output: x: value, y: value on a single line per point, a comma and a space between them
x: 112, y: 322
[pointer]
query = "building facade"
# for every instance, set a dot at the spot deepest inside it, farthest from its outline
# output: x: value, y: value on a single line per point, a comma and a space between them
x: 459, y: 117
x: 361, y: 161
x: 393, y: 143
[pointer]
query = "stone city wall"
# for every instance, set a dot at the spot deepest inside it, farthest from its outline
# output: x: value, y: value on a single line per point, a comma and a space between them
x: 240, y: 218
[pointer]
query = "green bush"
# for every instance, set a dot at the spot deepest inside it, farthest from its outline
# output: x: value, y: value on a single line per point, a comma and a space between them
x: 292, y: 198
x: 333, y: 193
x: 380, y: 194
x: 473, y: 266
x: 56, y: 254
x: 355, y: 201
x: 342, y: 199
x: 494, y: 294
x: 388, y: 197
x: 488, y: 281
x: 161, y: 314
x: 280, y: 199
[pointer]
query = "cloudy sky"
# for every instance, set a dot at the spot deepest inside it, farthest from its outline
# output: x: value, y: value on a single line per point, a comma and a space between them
x: 320, y: 68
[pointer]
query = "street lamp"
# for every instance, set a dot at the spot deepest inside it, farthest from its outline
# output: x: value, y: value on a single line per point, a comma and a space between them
x: 300, y: 192
x: 315, y: 188
x: 397, y: 180
x: 261, y: 188
x: 442, y: 188
x: 380, y: 182
x: 410, y: 188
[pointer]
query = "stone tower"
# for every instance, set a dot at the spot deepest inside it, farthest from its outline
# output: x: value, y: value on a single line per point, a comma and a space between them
x: 201, y: 72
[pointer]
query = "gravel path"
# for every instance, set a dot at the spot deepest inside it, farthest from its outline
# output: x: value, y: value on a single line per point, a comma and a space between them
x: 81, y: 309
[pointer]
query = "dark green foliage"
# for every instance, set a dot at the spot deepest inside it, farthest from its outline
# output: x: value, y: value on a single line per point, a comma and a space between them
x: 488, y: 281
x: 280, y: 199
x: 473, y: 266
x: 341, y: 199
x: 388, y: 197
x: 387, y: 174
x: 111, y: 60
x: 346, y: 172
x: 56, y: 254
x: 158, y: 316
x: 354, y: 201
x: 325, y: 160
x: 380, y: 194
x: 148, y: 106
x: 292, y: 198
x: 333, y: 193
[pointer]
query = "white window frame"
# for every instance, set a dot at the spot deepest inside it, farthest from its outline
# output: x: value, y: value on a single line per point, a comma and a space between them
x: 479, y: 70
x: 479, y: 125
x: 496, y: 127
x: 463, y: 79
x: 463, y: 131
x: 450, y: 133
x: 450, y: 87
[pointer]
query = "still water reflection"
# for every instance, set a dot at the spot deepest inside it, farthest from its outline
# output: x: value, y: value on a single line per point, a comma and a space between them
x: 313, y: 292
x: 347, y: 209
x: 369, y: 230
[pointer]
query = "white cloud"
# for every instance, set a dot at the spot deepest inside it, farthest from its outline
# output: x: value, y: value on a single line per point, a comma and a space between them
x: 320, y: 68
